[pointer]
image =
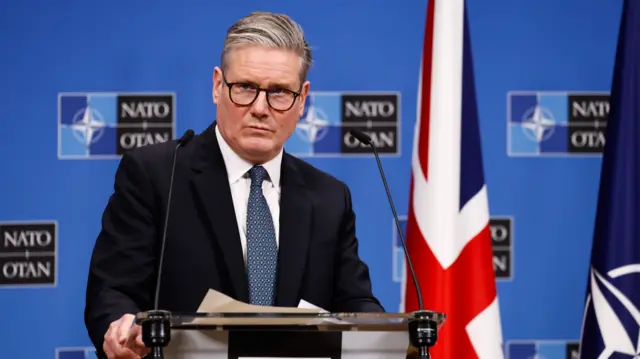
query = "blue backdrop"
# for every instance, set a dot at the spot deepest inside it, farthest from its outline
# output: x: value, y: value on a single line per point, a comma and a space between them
x: 546, y: 48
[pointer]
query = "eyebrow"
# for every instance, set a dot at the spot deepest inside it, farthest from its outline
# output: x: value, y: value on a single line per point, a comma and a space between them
x: 284, y: 85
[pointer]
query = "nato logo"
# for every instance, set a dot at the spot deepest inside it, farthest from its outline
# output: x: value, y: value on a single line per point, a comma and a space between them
x: 556, y: 123
x: 105, y: 125
x: 323, y: 129
x: 76, y: 353
x: 542, y: 349
x: 612, y: 316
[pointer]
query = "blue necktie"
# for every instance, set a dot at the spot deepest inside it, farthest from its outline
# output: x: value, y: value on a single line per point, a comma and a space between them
x: 262, y: 252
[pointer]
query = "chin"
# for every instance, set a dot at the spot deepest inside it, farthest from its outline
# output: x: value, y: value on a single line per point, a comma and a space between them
x: 258, y: 147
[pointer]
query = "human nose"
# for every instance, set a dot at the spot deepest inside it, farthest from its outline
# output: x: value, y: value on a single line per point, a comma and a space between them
x: 260, y: 105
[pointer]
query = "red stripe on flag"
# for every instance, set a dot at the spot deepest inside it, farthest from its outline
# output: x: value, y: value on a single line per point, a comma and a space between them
x: 425, y: 100
x: 462, y: 291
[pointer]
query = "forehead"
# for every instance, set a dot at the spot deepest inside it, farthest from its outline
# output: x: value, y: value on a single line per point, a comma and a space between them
x: 263, y: 66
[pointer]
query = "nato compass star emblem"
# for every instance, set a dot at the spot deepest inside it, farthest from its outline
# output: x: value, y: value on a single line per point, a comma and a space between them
x: 538, y: 124
x: 313, y: 125
x: 618, y: 341
x: 88, y: 126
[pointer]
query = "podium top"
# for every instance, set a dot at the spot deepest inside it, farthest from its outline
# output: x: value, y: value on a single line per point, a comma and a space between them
x: 293, y: 320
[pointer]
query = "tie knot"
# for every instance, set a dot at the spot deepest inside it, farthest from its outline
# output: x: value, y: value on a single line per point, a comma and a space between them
x: 258, y: 174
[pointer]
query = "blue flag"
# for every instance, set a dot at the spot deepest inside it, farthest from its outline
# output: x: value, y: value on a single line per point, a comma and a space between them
x: 611, y: 328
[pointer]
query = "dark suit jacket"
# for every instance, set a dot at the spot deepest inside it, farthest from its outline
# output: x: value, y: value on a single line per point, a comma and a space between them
x: 318, y: 250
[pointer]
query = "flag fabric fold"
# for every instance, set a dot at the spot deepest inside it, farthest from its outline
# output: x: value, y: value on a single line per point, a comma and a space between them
x: 448, y: 235
x: 611, y: 320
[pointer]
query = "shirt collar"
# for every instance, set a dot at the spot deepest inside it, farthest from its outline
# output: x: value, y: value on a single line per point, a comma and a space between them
x: 237, y: 167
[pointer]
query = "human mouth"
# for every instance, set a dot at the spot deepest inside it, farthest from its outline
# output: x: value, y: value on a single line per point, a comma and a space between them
x: 261, y: 129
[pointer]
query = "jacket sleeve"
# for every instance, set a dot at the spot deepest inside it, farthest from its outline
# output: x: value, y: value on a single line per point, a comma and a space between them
x: 122, y: 267
x: 353, y: 291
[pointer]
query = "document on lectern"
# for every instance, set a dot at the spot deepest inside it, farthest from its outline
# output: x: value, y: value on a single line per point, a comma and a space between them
x: 216, y: 302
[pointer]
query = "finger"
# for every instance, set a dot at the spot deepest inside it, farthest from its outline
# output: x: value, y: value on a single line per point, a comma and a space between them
x: 106, y: 348
x: 115, y: 340
x: 112, y: 347
x: 139, y: 341
x: 127, y: 353
x: 138, y: 337
x: 111, y: 340
x: 134, y: 339
x: 125, y: 325
x: 134, y: 354
x: 113, y: 334
x: 130, y: 339
x: 115, y: 350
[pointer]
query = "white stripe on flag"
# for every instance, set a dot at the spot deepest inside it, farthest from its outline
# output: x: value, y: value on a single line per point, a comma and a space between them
x: 437, y: 210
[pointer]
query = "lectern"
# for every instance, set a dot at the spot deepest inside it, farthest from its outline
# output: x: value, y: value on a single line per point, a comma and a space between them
x: 289, y: 335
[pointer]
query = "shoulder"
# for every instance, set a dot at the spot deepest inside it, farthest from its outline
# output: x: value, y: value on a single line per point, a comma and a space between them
x: 148, y: 158
x: 139, y: 170
x: 152, y: 154
x: 152, y: 164
x: 159, y: 156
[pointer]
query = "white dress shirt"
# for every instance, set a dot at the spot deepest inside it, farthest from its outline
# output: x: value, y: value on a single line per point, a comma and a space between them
x: 240, y: 183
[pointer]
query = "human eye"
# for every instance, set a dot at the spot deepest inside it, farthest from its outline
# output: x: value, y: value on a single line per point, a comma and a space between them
x: 245, y: 87
x: 279, y: 92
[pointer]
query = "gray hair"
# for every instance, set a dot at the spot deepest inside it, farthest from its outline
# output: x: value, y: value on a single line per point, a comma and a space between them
x: 270, y: 30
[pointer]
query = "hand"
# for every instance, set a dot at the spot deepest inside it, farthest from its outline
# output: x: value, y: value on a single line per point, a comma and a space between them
x: 123, y: 340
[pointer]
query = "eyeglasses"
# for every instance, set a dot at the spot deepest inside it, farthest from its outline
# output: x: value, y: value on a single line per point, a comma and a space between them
x: 244, y: 94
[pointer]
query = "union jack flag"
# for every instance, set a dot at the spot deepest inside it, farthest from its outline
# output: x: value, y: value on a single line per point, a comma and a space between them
x: 448, y: 235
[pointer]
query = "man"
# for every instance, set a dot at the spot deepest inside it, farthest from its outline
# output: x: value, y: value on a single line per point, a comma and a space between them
x: 247, y: 219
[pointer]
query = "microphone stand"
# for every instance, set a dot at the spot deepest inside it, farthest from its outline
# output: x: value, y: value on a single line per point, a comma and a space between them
x: 156, y: 326
x: 156, y: 332
x: 423, y: 331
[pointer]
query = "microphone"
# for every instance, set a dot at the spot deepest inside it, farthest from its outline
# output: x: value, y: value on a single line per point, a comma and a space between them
x: 423, y: 330
x: 156, y: 326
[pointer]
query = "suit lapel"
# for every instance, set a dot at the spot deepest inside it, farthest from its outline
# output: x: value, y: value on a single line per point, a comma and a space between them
x: 211, y: 184
x: 295, y: 233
